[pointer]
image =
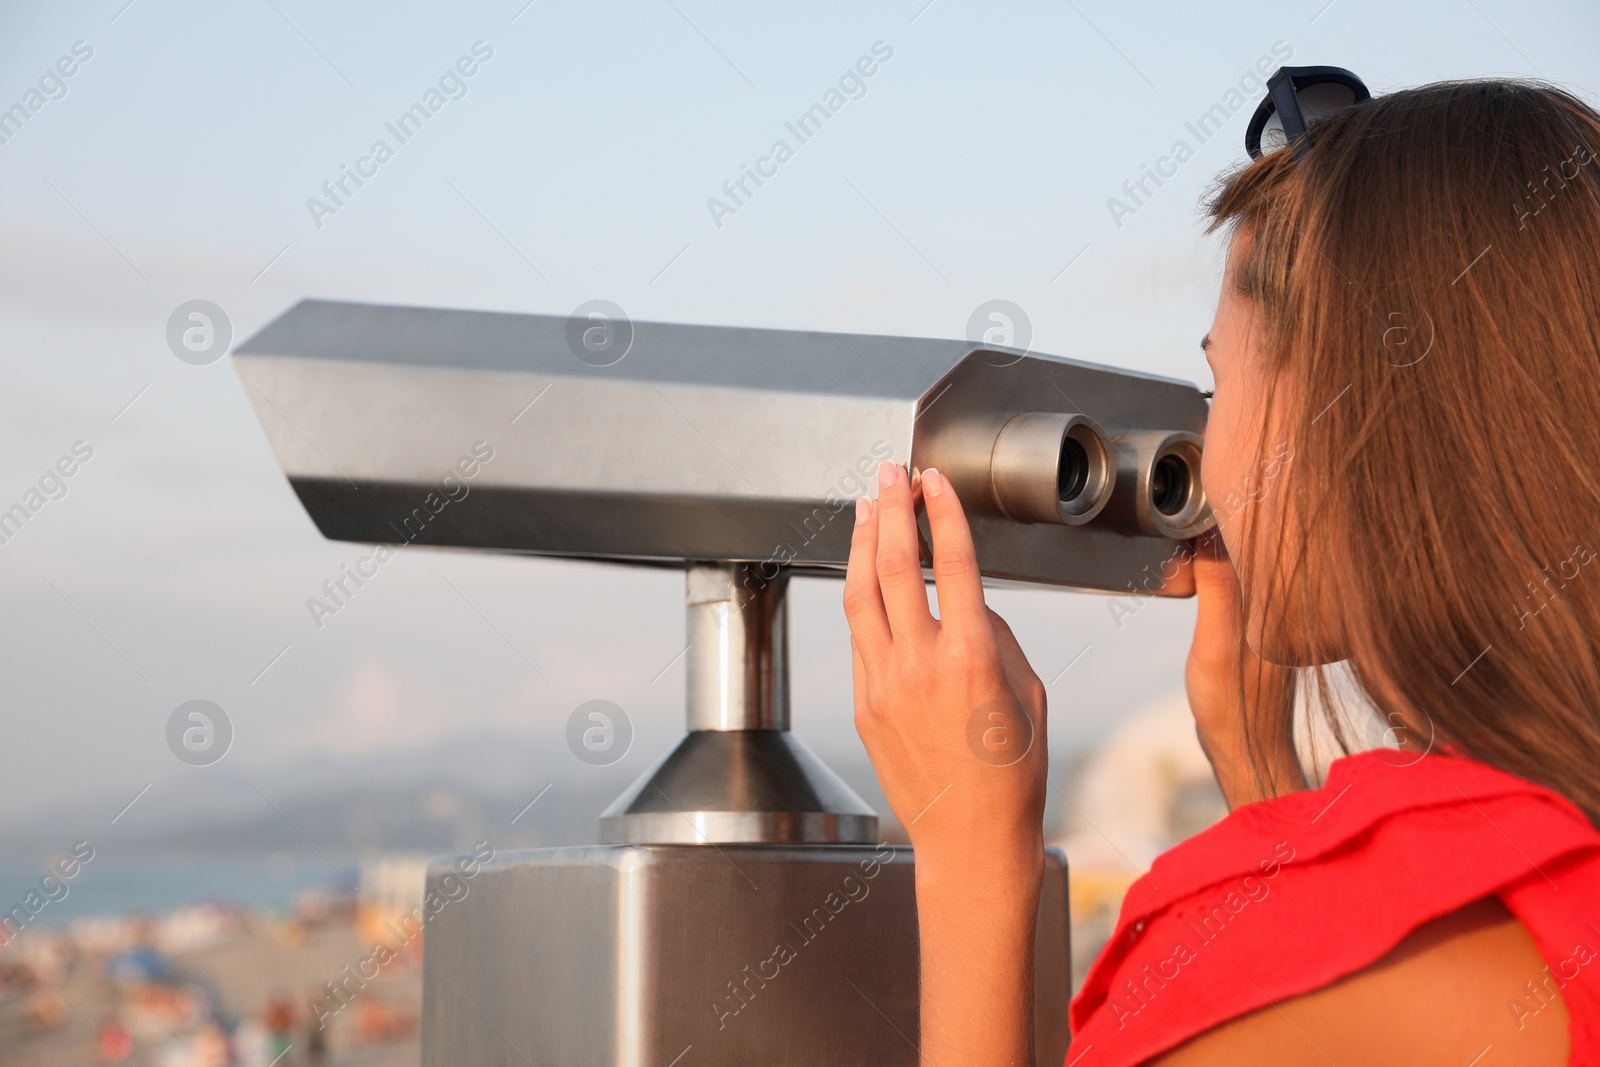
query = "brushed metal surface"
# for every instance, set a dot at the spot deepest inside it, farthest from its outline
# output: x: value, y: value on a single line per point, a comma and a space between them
x: 739, y: 775
x: 721, y: 786
x: 1098, y: 555
x: 703, y: 443
x: 1029, y: 468
x: 738, y: 659
x: 645, y: 956
x: 1162, y: 503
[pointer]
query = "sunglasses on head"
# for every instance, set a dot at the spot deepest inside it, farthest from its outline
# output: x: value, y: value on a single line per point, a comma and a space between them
x: 1297, y: 97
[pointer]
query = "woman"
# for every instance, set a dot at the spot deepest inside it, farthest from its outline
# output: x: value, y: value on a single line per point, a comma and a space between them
x: 1412, y: 307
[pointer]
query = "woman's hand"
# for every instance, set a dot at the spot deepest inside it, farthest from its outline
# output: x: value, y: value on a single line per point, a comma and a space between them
x: 1231, y: 689
x: 948, y: 708
x: 954, y: 720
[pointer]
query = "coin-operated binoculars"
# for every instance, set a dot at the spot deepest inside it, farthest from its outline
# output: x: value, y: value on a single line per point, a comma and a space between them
x: 740, y: 907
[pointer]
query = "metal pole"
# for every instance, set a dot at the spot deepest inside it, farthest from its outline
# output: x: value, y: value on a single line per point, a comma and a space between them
x: 738, y: 775
x: 738, y: 659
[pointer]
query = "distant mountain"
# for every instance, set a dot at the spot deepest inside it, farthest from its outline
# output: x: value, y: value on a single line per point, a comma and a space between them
x: 432, y: 798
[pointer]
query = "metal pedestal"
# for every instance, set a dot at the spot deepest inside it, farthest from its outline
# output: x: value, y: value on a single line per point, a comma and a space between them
x: 740, y: 912
x: 682, y: 955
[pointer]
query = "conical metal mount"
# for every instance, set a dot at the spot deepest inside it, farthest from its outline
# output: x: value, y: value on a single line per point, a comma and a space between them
x: 739, y: 776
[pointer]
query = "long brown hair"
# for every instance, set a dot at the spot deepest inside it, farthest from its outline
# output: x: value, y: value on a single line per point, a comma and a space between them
x: 1427, y: 282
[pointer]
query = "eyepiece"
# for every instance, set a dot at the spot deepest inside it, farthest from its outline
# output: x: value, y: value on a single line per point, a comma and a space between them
x: 1050, y: 467
x: 1072, y: 476
x: 1169, y: 485
x: 1036, y: 467
x: 1158, y: 491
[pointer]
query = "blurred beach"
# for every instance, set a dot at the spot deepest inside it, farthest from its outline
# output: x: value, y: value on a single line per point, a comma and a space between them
x: 275, y: 957
x: 212, y: 984
x: 265, y: 958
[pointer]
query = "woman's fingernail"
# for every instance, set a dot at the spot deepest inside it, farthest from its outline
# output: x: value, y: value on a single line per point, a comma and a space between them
x: 863, y: 509
x: 888, y: 474
x: 932, y: 482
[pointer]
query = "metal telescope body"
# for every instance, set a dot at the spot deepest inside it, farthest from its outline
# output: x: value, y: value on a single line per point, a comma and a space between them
x: 736, y: 455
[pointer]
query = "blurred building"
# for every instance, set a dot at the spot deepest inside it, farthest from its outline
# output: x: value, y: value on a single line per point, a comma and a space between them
x: 389, y: 896
x: 1147, y: 787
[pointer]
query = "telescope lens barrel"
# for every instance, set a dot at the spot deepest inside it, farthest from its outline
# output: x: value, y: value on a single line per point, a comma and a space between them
x: 1060, y: 467
x: 1050, y: 467
x: 1072, y: 477
x: 1158, y: 491
x: 1169, y: 485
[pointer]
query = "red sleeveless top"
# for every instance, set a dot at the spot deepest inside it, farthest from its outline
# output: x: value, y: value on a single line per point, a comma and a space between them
x: 1287, y: 895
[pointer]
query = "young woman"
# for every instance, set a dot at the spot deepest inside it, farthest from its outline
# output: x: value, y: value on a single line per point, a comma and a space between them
x: 1411, y: 314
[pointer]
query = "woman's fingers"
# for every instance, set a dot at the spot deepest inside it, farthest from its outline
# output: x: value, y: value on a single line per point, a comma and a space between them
x: 1216, y: 585
x: 863, y: 602
x: 955, y: 564
x: 905, y: 596
x: 924, y: 553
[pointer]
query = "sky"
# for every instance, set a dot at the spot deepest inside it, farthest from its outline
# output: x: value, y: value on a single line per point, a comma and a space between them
x: 992, y: 154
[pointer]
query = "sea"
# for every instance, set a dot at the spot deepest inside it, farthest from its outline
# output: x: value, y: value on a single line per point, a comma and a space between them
x: 152, y: 884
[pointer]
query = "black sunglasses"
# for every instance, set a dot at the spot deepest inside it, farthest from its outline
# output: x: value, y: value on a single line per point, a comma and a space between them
x: 1297, y: 97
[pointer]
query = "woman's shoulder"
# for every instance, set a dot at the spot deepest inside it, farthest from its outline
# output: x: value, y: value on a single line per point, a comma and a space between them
x: 1361, y: 794
x: 1291, y: 895
x: 1440, y: 996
